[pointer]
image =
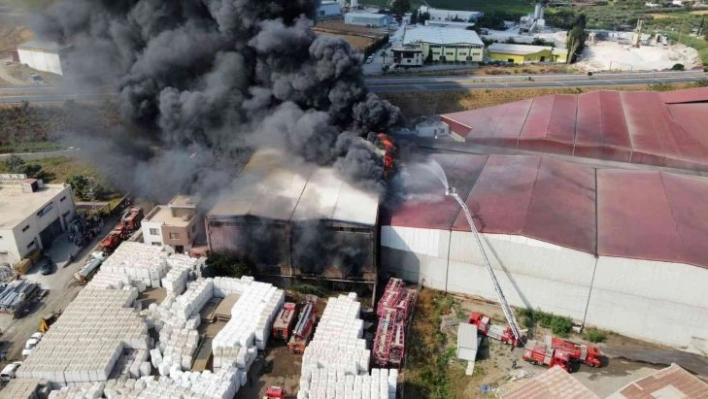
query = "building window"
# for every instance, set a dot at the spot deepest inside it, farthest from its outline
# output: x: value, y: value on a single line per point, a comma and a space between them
x: 174, y: 236
x: 154, y: 232
x: 62, y: 199
x: 30, y: 245
x: 156, y: 244
x: 25, y: 228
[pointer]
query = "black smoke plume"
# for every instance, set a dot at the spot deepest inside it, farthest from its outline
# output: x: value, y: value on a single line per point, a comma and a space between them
x: 206, y: 81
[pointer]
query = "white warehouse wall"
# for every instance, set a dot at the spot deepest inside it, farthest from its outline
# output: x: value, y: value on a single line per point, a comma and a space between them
x: 40, y: 60
x: 657, y: 301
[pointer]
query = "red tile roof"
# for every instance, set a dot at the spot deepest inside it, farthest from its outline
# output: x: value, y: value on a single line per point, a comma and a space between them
x: 611, y: 212
x: 553, y: 383
x: 665, y: 129
x: 673, y: 382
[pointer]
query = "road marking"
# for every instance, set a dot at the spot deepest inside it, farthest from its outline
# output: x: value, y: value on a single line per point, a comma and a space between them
x: 421, y: 87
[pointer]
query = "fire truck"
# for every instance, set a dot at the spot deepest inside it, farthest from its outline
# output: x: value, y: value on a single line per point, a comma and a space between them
x: 283, y: 324
x: 305, y: 326
x: 485, y: 327
x: 587, y: 354
x: 541, y: 354
x: 131, y: 219
x: 113, y: 239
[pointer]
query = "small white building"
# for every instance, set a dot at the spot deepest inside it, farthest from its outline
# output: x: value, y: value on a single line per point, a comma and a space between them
x: 329, y: 9
x: 446, y: 45
x: 32, y: 215
x: 42, y: 56
x: 367, y: 19
x: 438, y: 14
x: 175, y: 225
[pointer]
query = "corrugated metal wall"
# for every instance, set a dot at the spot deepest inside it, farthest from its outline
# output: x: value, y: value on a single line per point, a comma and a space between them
x: 657, y: 301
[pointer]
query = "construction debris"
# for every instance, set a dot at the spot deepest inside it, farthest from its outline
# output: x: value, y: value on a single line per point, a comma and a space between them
x: 16, y: 295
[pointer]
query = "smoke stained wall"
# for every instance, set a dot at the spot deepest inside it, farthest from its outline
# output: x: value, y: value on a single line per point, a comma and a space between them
x: 208, y: 81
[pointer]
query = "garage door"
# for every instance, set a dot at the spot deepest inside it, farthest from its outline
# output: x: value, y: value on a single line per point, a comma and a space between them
x: 50, y: 233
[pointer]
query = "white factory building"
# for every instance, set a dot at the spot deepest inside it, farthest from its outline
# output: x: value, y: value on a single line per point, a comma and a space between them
x: 32, y: 215
x: 367, y: 19
x: 437, y: 14
x: 439, y: 45
x: 42, y: 56
x: 329, y: 9
x: 622, y: 250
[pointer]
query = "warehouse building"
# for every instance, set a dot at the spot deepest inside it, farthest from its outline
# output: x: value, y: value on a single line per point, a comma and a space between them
x: 175, y: 225
x: 367, y: 19
x: 619, y: 249
x: 32, y: 215
x: 437, y: 14
x: 42, y: 56
x: 296, y: 220
x: 449, y: 24
x: 438, y: 44
x: 522, y: 53
x: 640, y: 127
x: 329, y: 9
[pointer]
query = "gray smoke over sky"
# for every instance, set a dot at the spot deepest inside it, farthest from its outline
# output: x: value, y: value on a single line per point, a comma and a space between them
x: 202, y: 82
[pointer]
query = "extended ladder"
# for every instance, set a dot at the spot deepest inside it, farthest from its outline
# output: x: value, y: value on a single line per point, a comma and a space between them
x: 500, y: 295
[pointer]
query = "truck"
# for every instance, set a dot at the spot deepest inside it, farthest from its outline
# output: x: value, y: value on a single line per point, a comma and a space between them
x: 283, y: 324
x: 495, y: 331
x: 275, y: 392
x: 113, y: 239
x: 305, y: 325
x: 91, y: 265
x: 587, y: 354
x: 131, y: 219
x: 541, y: 354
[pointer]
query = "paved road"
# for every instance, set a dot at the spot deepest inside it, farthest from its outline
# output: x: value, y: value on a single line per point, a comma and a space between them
x: 48, y: 94
x: 29, y: 156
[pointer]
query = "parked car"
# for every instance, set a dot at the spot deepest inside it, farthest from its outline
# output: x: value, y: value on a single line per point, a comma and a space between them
x: 46, y: 265
x: 9, y: 371
x: 370, y: 59
x: 29, y: 346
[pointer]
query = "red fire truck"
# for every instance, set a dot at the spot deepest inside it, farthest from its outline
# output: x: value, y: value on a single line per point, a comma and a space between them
x: 283, y: 324
x: 587, y: 354
x: 485, y: 327
x: 541, y: 354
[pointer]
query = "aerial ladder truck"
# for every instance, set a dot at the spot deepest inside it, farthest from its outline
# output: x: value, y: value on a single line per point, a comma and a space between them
x: 508, y: 313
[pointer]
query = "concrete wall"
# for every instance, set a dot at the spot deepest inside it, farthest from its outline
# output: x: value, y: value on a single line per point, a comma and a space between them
x: 41, y: 60
x: 656, y: 301
x: 154, y: 237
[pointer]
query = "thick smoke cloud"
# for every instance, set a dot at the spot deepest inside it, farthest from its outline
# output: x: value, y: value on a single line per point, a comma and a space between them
x: 218, y: 78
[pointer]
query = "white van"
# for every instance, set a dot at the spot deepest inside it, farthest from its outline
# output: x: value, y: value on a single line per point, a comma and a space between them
x: 9, y: 371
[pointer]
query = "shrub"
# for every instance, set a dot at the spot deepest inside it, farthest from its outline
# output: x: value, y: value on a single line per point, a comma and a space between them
x: 559, y: 325
x: 678, y: 67
x: 595, y: 336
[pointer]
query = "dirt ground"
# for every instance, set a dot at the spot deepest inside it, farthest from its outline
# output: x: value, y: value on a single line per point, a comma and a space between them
x: 279, y: 367
x: 493, y: 373
x: 416, y: 104
x: 358, y: 42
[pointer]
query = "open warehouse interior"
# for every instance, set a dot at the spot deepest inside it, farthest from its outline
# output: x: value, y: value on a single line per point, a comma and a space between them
x: 293, y: 219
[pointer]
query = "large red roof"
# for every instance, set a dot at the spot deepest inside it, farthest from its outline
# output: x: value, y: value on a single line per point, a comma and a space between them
x: 664, y: 129
x: 612, y: 212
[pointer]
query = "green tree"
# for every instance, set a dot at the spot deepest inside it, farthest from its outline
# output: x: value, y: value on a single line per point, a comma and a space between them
x: 576, y: 39
x: 85, y: 188
x: 414, y: 17
x: 400, y: 7
x: 15, y: 164
x: 225, y: 265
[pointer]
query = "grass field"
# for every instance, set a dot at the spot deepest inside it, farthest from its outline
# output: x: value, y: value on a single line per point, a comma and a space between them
x: 415, y: 104
x: 57, y: 169
x: 28, y: 4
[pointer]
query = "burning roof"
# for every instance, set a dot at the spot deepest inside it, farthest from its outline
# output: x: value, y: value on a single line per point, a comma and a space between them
x: 274, y: 187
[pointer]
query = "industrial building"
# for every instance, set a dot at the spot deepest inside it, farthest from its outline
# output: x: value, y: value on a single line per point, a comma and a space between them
x: 329, y: 9
x: 32, y: 215
x: 449, y: 24
x: 410, y: 55
x: 437, y: 14
x: 619, y: 249
x: 639, y: 127
x: 522, y: 53
x: 296, y: 219
x: 175, y: 225
x: 438, y: 44
x: 42, y: 56
x: 367, y: 19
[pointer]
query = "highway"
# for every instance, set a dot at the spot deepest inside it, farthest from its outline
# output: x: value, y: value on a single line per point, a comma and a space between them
x: 48, y: 94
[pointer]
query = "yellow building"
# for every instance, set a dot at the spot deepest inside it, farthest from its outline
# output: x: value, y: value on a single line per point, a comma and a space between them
x: 521, y: 53
x: 445, y: 44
